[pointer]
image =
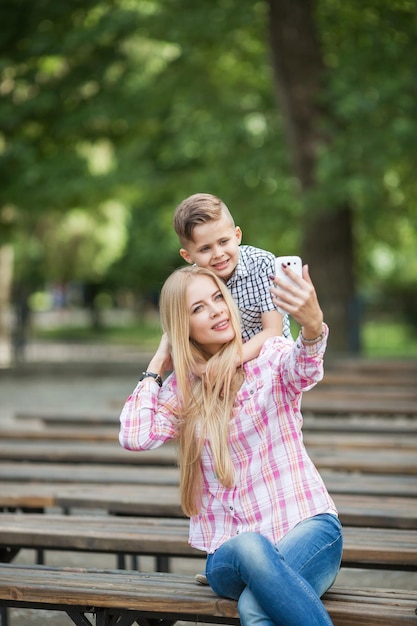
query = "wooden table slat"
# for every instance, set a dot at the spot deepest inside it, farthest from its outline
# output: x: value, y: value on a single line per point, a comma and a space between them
x: 172, y: 594
x: 169, y: 536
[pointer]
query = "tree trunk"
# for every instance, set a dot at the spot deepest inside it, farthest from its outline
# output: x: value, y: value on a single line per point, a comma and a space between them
x: 6, y: 274
x: 327, y: 235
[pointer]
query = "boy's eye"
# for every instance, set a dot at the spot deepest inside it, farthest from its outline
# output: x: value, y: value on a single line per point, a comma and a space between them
x: 223, y: 242
x: 205, y: 249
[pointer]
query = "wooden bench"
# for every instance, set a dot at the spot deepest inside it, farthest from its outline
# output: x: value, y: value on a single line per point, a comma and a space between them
x: 129, y: 597
x: 359, y: 424
x: 164, y: 501
x: 369, y: 460
x: 361, y: 441
x: 53, y: 418
x: 69, y: 451
x: 350, y: 403
x: 390, y: 393
x: 367, y: 548
x: 358, y: 437
x: 357, y: 379
x: 61, y: 433
x: 105, y: 473
x: 392, y: 369
x: 319, y: 400
x: 107, y: 427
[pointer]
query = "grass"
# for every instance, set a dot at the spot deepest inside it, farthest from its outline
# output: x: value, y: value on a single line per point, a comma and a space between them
x: 381, y: 339
x: 389, y: 339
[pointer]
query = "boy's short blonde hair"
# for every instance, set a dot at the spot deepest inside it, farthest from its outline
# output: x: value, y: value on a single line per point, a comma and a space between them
x: 198, y: 209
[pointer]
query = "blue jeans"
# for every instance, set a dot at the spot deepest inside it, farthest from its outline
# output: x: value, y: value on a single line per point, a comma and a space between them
x: 280, y: 584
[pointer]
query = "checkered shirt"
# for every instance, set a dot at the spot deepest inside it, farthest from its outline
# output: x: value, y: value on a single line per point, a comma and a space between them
x: 249, y: 286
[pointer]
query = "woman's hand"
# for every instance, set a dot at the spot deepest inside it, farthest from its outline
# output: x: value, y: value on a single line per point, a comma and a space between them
x: 161, y: 362
x: 298, y: 297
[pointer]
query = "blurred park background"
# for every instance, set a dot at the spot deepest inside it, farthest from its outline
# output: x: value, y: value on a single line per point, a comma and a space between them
x: 299, y: 114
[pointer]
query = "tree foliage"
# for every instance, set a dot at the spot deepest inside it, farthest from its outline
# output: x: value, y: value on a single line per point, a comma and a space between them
x: 112, y: 111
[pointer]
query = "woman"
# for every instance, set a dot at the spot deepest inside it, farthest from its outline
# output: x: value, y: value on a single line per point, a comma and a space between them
x: 257, y: 505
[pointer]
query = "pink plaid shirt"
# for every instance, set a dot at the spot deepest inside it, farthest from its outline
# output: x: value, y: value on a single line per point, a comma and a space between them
x: 276, y: 484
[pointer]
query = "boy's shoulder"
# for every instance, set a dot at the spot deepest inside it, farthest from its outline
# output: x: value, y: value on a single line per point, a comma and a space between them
x: 250, y: 255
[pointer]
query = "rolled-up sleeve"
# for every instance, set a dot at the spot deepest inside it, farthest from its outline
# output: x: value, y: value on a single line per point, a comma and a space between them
x: 297, y: 366
x: 148, y: 417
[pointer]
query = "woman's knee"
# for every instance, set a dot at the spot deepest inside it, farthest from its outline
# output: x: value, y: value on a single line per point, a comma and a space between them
x: 237, y: 561
x: 248, y: 546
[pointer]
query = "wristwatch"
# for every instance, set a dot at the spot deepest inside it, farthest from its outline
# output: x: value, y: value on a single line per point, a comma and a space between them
x: 157, y: 377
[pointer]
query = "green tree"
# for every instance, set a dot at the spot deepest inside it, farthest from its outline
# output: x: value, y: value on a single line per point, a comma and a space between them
x: 66, y: 104
x: 344, y: 78
x: 134, y: 104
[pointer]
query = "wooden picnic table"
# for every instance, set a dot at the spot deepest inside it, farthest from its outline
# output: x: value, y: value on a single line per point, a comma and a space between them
x: 168, y: 537
x: 127, y: 597
x: 357, y: 437
x: 331, y: 390
x: 164, y: 501
x: 103, y: 473
x: 336, y: 481
x: 319, y: 400
x: 395, y: 369
x: 354, y: 510
x: 365, y: 460
x: 351, y: 403
x: 72, y: 418
x: 69, y: 451
x: 375, y: 460
x: 329, y: 425
x: 375, y: 381
x: 359, y: 440
x: 378, y: 425
x: 99, y: 432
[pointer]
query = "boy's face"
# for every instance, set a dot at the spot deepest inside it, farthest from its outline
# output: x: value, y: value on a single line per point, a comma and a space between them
x: 215, y: 246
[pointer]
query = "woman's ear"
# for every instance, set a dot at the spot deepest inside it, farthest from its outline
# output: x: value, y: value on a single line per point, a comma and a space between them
x: 186, y: 256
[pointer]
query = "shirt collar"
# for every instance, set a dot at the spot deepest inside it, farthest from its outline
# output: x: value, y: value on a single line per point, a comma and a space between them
x: 241, y: 269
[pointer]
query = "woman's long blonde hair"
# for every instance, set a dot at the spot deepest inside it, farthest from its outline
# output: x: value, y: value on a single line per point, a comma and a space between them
x: 205, y: 403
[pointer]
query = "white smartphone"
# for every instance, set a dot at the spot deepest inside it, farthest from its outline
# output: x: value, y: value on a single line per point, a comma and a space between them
x: 292, y: 262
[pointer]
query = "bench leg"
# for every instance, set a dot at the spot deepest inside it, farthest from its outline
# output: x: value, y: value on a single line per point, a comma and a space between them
x: 4, y: 620
x: 162, y: 563
x: 78, y: 617
x: 102, y: 618
x: 106, y: 617
x: 40, y: 556
x: 129, y: 618
x: 7, y: 554
x: 121, y: 561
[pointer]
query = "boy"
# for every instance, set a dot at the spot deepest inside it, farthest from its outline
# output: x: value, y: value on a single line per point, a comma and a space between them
x: 210, y: 239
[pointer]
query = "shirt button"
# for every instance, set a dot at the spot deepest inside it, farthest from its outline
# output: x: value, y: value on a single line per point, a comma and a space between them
x: 231, y: 508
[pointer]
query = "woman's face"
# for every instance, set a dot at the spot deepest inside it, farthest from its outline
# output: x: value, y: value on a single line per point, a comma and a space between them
x: 210, y: 323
